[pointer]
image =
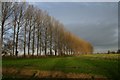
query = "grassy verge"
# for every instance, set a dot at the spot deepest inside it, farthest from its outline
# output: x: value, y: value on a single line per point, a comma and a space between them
x: 97, y: 64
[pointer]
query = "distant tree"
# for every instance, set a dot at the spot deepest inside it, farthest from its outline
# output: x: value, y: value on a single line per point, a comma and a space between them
x: 6, y: 12
x: 35, y: 29
x: 118, y: 51
x: 25, y: 33
x: 55, y: 36
x: 50, y: 34
x: 15, y: 16
x: 19, y: 24
x: 39, y: 21
x: 29, y: 17
x: 7, y: 47
x: 108, y: 51
x: 46, y: 22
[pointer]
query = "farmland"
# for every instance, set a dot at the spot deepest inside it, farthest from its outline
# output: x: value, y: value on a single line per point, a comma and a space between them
x: 82, y: 66
x: 57, y: 40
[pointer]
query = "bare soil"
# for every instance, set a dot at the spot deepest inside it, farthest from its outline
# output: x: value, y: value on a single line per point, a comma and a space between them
x: 29, y: 73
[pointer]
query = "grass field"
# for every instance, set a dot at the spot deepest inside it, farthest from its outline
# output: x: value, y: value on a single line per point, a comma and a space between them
x: 105, y: 65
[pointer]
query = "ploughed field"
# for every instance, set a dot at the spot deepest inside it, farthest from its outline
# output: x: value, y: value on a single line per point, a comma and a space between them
x: 94, y: 66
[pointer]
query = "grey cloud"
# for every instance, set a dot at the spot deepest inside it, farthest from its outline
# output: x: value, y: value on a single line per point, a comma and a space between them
x: 95, y: 22
x: 99, y: 35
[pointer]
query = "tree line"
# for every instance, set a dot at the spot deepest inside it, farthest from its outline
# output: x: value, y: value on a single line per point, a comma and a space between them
x: 33, y: 31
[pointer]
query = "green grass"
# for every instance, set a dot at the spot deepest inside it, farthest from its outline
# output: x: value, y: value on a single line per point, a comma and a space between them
x: 97, y: 64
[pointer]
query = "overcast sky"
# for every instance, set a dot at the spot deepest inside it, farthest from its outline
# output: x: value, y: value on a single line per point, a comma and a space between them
x: 96, y: 22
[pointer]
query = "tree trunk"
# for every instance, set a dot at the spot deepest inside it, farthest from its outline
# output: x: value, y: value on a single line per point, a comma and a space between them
x: 38, y: 41
x: 1, y: 41
x: 25, y: 41
x: 55, y: 52
x: 33, y: 40
x: 45, y: 47
x: 46, y: 41
x: 29, y: 41
x: 16, y: 52
x: 2, y: 31
x: 14, y: 37
x: 51, y: 45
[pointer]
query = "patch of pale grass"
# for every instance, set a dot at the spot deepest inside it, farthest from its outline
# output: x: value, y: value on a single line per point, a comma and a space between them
x: 106, y: 56
x: 48, y: 74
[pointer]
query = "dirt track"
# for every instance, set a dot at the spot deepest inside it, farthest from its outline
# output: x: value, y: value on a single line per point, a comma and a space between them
x: 28, y: 73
